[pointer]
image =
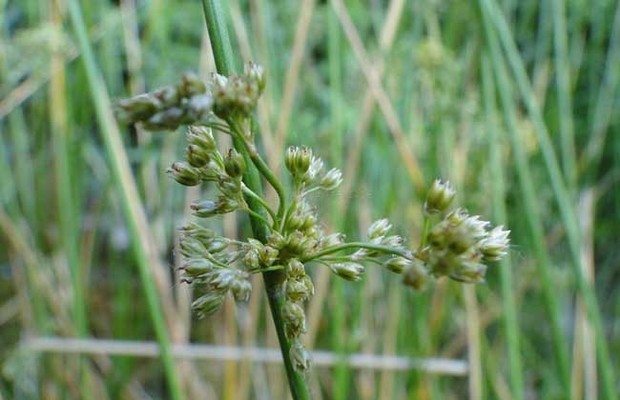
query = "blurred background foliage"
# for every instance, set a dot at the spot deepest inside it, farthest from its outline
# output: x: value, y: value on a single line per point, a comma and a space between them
x: 513, y: 101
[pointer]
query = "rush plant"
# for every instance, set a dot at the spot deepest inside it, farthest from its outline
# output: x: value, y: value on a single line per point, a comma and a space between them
x: 288, y: 236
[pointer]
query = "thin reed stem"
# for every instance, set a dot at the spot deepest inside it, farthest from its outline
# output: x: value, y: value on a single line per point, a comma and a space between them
x: 224, y: 61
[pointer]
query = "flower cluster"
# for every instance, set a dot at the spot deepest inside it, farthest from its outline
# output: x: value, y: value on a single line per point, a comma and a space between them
x: 194, y: 101
x: 456, y: 246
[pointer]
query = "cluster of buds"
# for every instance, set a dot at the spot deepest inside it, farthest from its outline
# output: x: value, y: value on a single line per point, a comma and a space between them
x: 307, y: 169
x: 204, y: 163
x: 194, y: 101
x: 210, y: 264
x: 459, y: 245
x: 237, y: 94
x: 187, y: 103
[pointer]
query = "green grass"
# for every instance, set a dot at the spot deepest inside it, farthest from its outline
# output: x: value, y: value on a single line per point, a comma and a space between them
x: 512, y: 101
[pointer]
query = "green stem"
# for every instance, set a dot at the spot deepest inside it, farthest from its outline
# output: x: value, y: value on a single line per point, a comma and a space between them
x: 359, y: 245
x: 256, y: 215
x: 262, y: 167
x: 426, y: 227
x: 222, y: 52
x: 260, y: 200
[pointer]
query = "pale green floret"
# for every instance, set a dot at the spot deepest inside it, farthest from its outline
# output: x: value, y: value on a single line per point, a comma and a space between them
x: 331, y: 180
x: 348, y: 270
x: 207, y: 303
x: 379, y: 228
x: 495, y: 246
x: 416, y: 275
x: 439, y: 197
x: 299, y: 357
x: 241, y: 289
x: 184, y: 173
x: 294, y: 319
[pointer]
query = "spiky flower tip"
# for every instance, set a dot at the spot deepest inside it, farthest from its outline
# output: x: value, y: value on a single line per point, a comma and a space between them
x: 439, y: 197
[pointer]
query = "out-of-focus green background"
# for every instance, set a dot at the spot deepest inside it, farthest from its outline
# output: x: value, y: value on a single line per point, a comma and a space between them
x: 513, y: 101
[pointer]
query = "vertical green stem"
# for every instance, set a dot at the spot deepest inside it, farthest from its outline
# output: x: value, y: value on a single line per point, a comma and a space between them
x: 224, y: 61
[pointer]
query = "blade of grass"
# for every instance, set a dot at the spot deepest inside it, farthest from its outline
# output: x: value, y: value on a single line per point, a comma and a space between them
x: 565, y: 104
x: 69, y: 231
x: 222, y: 52
x: 605, y: 103
x: 129, y: 197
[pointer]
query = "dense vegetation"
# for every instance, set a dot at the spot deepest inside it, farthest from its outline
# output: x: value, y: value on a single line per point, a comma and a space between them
x: 512, y: 101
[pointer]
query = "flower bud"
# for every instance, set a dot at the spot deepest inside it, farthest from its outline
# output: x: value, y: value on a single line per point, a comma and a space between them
x: 295, y: 268
x: 392, y: 241
x: 191, y: 247
x: 348, y: 270
x: 197, y: 266
x: 379, y: 228
x: 307, y: 281
x: 294, y: 319
x: 276, y: 240
x: 332, y: 240
x: 199, y: 107
x: 234, y: 164
x: 299, y: 357
x: 167, y: 96
x: 315, y: 169
x: 196, y: 156
x: 191, y: 85
x: 184, y: 174
x: 303, y: 160
x: 255, y: 73
x: 397, y: 264
x: 198, y: 232
x: 469, y: 272
x: 297, y: 160
x: 204, y: 208
x: 296, y: 290
x: 217, y: 245
x: 169, y: 118
x: 495, y: 246
x: 201, y: 137
x: 439, y: 197
x: 207, y: 304
x: 241, y: 289
x: 222, y: 278
x: 138, y: 108
x: 331, y: 180
x: 267, y: 255
x: 416, y: 275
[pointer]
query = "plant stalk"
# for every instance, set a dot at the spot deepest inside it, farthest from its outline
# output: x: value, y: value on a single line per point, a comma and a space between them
x: 222, y: 51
